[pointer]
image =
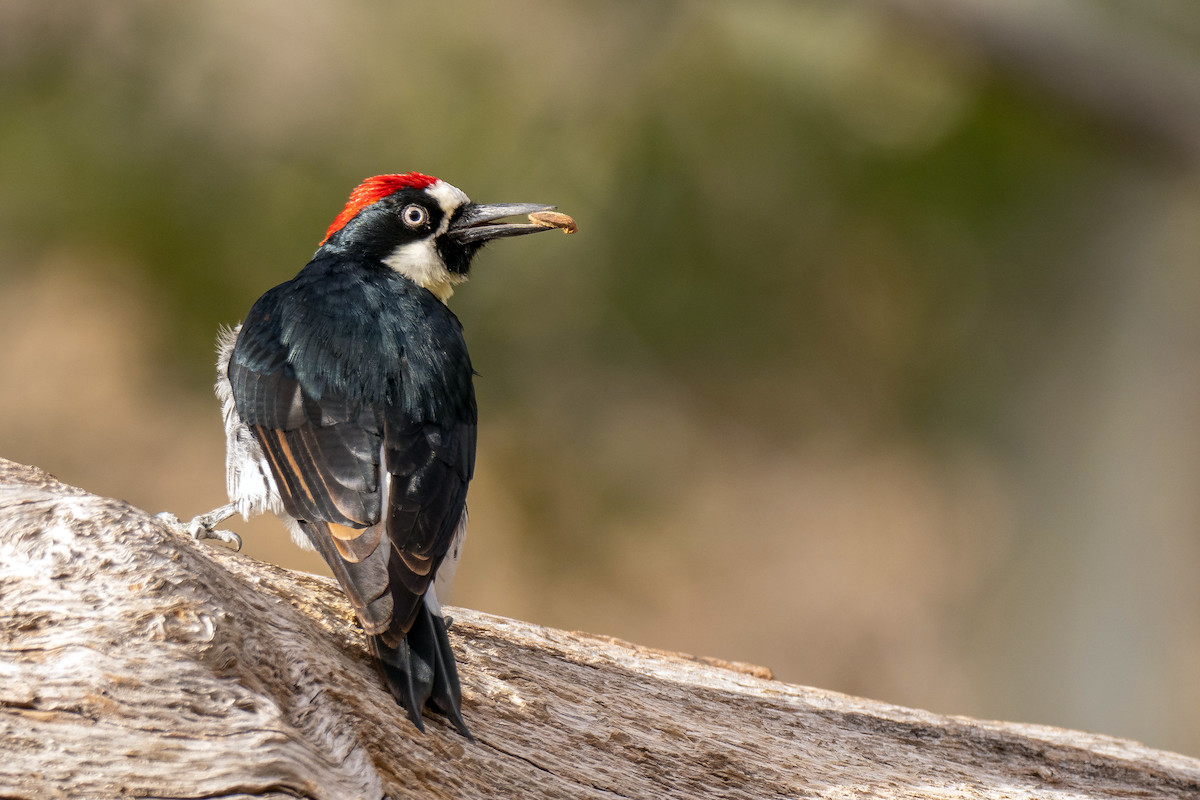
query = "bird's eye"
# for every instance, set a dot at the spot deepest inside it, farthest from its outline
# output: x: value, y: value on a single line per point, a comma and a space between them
x: 414, y: 216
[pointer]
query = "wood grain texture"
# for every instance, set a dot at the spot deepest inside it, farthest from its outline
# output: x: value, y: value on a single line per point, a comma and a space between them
x: 135, y: 663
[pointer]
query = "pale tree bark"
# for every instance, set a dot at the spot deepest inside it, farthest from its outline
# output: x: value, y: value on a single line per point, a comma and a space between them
x: 136, y: 663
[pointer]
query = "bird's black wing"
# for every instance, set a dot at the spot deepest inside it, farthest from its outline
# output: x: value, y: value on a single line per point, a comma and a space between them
x: 324, y: 454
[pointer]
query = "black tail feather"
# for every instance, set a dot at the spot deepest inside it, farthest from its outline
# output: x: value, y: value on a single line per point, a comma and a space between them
x: 421, y: 669
x: 447, y: 693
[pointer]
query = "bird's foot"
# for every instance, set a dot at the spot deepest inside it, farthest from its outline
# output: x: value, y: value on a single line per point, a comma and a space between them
x: 204, y: 526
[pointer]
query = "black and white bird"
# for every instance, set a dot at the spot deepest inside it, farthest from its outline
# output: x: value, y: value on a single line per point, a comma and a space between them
x: 349, y: 412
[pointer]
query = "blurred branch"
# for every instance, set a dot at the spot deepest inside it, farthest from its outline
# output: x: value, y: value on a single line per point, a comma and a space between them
x: 1087, y: 54
x: 134, y: 663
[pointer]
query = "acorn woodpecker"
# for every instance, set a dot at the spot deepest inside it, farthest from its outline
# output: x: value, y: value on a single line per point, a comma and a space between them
x: 350, y: 413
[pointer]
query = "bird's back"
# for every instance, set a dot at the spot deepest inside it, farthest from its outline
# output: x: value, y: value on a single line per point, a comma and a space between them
x: 369, y: 432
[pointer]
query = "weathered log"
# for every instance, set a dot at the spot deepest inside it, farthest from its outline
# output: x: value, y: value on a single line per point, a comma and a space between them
x: 134, y: 662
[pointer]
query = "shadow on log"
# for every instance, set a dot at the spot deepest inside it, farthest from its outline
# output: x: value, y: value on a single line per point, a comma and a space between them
x: 137, y: 663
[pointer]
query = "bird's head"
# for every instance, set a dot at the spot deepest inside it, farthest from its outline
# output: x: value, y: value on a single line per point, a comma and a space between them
x: 423, y: 228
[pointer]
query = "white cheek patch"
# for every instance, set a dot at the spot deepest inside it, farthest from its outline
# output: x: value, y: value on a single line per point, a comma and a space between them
x: 420, y: 263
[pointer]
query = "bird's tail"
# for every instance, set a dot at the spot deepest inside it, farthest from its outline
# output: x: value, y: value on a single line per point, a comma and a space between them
x: 417, y: 665
x: 421, y: 669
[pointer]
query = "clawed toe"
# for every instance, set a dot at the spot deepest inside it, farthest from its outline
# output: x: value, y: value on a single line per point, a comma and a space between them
x: 230, y: 538
x: 202, y: 527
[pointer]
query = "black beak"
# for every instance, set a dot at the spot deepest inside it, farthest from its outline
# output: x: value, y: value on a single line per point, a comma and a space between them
x: 470, y: 223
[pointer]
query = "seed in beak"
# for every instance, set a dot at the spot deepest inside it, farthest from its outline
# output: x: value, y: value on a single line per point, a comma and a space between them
x: 553, y: 219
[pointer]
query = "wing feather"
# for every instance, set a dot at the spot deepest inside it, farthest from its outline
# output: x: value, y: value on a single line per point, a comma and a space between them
x: 356, y: 545
x: 328, y: 448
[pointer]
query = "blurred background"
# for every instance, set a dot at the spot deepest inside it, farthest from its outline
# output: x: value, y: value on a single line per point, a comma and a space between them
x: 876, y: 360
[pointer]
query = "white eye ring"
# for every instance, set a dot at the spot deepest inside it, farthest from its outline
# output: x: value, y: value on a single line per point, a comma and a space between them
x: 414, y: 216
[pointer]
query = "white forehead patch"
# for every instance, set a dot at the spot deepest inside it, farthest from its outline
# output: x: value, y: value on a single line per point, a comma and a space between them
x: 450, y: 198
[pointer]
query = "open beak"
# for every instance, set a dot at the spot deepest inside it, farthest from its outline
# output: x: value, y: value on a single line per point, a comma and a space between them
x: 471, y: 224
